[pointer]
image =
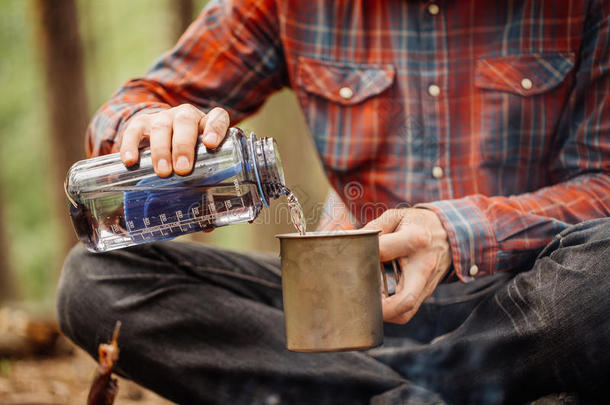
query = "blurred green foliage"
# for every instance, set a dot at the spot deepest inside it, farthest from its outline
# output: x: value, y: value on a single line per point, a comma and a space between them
x: 121, y: 39
x: 28, y: 226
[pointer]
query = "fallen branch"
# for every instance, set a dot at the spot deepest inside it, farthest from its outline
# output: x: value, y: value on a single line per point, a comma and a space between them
x: 104, y: 388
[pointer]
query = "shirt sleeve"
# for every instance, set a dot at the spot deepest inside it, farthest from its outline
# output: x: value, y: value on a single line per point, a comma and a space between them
x: 230, y: 57
x: 490, y: 234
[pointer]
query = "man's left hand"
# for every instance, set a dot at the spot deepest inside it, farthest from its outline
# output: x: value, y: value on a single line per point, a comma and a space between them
x: 417, y: 239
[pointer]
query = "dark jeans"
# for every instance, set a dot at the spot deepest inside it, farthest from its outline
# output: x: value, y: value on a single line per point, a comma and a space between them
x: 203, y: 325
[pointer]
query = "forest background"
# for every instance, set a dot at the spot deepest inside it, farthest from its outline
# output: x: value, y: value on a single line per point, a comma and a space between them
x: 61, y: 60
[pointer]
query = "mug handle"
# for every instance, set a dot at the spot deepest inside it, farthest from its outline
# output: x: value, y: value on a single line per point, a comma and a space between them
x: 384, y: 277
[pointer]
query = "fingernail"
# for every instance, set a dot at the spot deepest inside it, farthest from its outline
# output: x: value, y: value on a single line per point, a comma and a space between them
x: 210, y: 138
x: 128, y: 156
x: 182, y: 163
x: 162, y: 165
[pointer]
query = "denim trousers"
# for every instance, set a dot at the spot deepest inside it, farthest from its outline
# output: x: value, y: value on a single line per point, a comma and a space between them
x: 204, y: 325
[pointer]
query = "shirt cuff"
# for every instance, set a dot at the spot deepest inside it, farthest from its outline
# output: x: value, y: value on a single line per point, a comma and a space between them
x: 471, y: 236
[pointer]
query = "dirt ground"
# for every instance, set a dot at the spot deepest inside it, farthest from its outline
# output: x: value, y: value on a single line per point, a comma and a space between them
x: 61, y: 380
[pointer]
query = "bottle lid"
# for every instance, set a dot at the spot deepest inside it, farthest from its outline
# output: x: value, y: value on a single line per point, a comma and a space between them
x: 267, y: 168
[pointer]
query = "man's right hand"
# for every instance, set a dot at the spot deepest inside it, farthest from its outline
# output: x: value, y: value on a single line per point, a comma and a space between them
x: 172, y: 135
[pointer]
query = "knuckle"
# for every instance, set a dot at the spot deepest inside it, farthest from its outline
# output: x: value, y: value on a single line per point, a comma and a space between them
x: 408, y: 303
x: 183, y: 147
x: 159, y: 151
x: 185, y: 115
x: 190, y: 107
x: 139, y: 119
x: 134, y: 126
x: 421, y: 239
x: 183, y: 107
x: 403, y: 319
x: 383, y: 251
x: 390, y: 212
x: 161, y: 121
x: 387, y: 253
x: 386, y: 218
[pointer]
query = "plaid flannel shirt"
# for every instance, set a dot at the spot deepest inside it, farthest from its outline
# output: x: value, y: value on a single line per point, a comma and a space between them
x: 496, y: 115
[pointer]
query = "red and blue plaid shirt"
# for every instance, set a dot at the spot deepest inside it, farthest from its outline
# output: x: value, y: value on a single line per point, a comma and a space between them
x: 496, y: 115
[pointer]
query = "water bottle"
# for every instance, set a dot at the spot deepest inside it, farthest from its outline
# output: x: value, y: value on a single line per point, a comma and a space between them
x: 113, y: 206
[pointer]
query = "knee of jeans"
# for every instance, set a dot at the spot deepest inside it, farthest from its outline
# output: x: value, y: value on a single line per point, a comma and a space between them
x: 587, y: 232
x: 583, y: 242
x: 69, y: 285
x: 74, y: 302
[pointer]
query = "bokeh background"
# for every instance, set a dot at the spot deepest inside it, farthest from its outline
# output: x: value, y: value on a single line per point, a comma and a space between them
x: 60, y: 60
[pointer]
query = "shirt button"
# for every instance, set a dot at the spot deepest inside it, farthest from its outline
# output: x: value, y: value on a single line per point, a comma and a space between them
x: 346, y: 93
x: 474, y: 270
x: 526, y: 83
x: 433, y: 9
x: 434, y: 90
x: 437, y: 172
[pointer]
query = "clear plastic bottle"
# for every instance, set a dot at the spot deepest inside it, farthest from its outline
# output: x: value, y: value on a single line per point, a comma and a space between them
x: 113, y: 206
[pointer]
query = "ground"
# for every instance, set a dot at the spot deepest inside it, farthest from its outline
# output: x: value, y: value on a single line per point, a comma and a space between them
x: 63, y: 379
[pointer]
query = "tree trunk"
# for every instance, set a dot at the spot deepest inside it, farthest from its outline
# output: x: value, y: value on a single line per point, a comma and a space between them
x: 7, y: 283
x: 182, y: 12
x: 62, y: 54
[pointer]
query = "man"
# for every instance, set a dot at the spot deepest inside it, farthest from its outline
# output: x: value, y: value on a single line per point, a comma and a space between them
x: 494, y: 118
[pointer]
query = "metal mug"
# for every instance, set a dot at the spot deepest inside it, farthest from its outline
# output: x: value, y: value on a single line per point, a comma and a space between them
x: 331, y: 290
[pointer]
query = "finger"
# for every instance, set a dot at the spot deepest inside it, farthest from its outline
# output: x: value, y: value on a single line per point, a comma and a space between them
x: 390, y: 303
x: 160, y: 143
x: 431, y: 266
x: 184, y: 137
x: 416, y: 273
x: 216, y: 126
x: 202, y: 121
x: 133, y: 134
x: 399, y: 303
x: 404, y: 317
x: 406, y: 242
x: 387, y: 222
x: 427, y: 292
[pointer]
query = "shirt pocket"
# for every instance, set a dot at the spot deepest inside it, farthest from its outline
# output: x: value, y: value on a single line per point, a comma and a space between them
x: 347, y: 108
x: 522, y: 100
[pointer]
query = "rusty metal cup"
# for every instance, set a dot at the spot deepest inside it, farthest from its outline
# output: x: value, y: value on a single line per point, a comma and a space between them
x: 331, y: 289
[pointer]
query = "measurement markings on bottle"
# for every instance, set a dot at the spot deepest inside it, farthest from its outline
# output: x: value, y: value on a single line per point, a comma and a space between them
x: 238, y: 191
x: 161, y: 229
x: 163, y: 219
x: 195, y: 211
x: 179, y: 216
x: 146, y: 221
x: 212, y: 207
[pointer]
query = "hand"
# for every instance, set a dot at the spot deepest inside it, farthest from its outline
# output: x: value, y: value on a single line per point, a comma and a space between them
x: 172, y: 136
x: 417, y: 238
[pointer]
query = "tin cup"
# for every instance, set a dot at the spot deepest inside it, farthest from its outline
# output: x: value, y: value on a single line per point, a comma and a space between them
x: 331, y: 288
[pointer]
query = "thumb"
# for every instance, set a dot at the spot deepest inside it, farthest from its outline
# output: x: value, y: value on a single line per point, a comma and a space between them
x: 216, y: 126
x: 386, y: 222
